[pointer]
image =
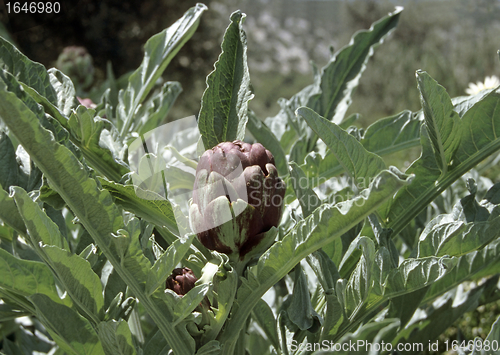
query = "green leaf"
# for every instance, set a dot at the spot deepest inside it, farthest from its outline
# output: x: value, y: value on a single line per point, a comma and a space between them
x: 25, y: 278
x: 479, y: 132
x: 334, y: 315
x: 82, y: 284
x: 441, y: 121
x: 94, y: 208
x: 143, y: 203
x: 264, y: 135
x: 324, y: 268
x: 8, y: 312
x: 306, y: 237
x: 156, y: 108
x: 453, y: 235
x: 72, y: 332
x: 439, y: 316
x: 353, y: 293
x: 87, y: 130
x: 187, y: 303
x: 264, y: 316
x: 308, y: 199
x: 66, y: 95
x: 492, y: 339
x: 26, y: 71
x: 116, y: 338
x: 479, y: 138
x: 225, y: 284
x: 426, y: 171
x: 385, y: 136
x: 393, y: 134
x: 370, y: 336
x: 359, y: 163
x: 471, y: 266
x: 224, y: 106
x: 210, y: 348
x: 158, y: 52
x: 9, y: 213
x: 300, y: 310
x: 403, y: 307
x: 74, y: 272
x: 42, y: 229
x: 10, y: 172
x: 340, y: 76
x: 155, y: 344
x: 376, y: 280
x: 462, y: 104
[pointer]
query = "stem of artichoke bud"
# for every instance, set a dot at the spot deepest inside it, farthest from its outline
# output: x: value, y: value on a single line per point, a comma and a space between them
x: 240, y: 267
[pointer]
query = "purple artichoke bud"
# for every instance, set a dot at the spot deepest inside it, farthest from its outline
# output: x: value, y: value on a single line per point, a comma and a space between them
x: 76, y: 63
x: 237, y: 197
x: 181, y: 281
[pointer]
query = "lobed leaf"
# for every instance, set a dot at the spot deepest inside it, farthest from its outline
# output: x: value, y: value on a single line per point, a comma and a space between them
x: 360, y: 164
x: 87, y: 132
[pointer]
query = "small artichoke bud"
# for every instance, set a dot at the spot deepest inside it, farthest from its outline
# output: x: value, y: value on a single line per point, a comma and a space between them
x: 76, y: 63
x: 181, y: 281
x: 237, y: 197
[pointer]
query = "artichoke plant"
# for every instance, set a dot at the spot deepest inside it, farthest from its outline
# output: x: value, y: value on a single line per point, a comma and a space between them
x: 77, y: 63
x: 237, y: 199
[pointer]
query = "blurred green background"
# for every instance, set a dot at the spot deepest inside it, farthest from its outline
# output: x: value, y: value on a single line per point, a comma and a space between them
x: 455, y: 41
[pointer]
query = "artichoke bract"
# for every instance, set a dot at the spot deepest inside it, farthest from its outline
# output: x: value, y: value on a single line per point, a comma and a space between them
x: 181, y: 281
x: 237, y: 198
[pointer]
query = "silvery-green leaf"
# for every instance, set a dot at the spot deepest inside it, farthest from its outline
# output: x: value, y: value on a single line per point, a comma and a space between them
x: 441, y: 120
x: 159, y: 51
x: 359, y: 163
x: 73, y: 333
x: 116, y: 338
x: 224, y: 106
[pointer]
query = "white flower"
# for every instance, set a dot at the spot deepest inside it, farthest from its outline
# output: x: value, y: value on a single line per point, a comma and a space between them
x: 490, y: 82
